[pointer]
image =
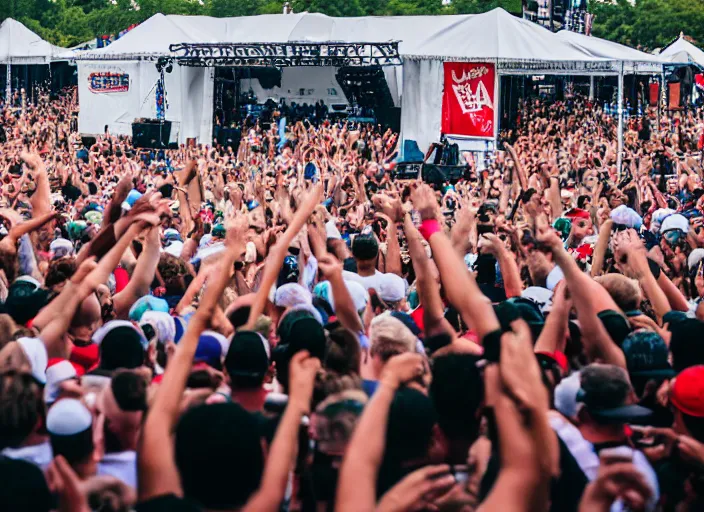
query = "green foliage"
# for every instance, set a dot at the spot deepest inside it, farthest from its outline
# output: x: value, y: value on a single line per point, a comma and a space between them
x: 648, y: 24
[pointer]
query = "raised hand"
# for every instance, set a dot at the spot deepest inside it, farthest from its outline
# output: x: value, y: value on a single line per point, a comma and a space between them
x: 424, y: 201
x: 418, y: 490
x: 302, y: 372
x: 402, y: 369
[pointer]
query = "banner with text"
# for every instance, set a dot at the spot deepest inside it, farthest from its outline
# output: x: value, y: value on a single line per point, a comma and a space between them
x: 468, y: 99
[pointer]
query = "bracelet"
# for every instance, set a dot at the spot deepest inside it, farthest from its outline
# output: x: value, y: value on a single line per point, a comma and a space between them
x: 428, y: 228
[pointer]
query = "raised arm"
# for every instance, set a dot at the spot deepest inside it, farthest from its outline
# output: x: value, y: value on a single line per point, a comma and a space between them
x: 53, y: 333
x: 460, y: 287
x: 630, y: 253
x: 589, y: 298
x: 428, y: 291
x: 602, y: 244
x: 142, y: 276
x: 277, y: 253
x: 157, y: 470
x: 344, y: 305
x: 356, y: 489
x: 513, y: 284
x: 284, y: 448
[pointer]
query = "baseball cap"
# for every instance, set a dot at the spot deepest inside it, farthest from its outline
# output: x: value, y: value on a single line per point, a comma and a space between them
x: 61, y: 247
x: 300, y: 330
x: 24, y: 301
x: 248, y: 355
x: 69, y: 424
x: 694, y: 258
x: 365, y: 246
x: 685, y: 345
x: 687, y: 393
x: 122, y: 347
x: 577, y: 213
x: 147, y: 303
x: 675, y: 221
x: 211, y: 346
x: 605, y: 391
x: 626, y: 217
x: 646, y: 355
x: 615, y: 324
x: 59, y: 370
x: 35, y: 351
x: 391, y: 288
x: 291, y: 294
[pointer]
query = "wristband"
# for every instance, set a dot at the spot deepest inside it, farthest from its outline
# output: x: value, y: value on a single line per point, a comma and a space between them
x: 428, y: 228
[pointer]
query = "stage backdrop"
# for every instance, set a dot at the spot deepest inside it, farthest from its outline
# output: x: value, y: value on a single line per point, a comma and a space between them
x: 468, y: 103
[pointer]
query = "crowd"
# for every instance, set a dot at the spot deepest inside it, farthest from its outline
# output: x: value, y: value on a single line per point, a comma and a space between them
x: 288, y: 327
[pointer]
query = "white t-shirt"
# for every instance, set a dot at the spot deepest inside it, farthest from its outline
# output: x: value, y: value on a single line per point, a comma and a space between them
x: 121, y: 465
x: 39, y: 454
x: 366, y: 281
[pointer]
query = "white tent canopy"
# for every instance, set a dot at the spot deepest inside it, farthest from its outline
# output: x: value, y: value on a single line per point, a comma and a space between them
x: 682, y: 51
x: 19, y: 45
x: 495, y: 35
x: 634, y: 60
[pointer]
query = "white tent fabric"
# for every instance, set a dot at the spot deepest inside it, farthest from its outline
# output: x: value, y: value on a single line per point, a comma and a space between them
x: 19, y: 45
x: 515, y: 45
x: 682, y: 51
x: 634, y: 60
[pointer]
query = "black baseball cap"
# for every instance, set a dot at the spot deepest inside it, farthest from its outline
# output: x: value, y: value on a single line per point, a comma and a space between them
x: 615, y: 324
x: 248, y: 355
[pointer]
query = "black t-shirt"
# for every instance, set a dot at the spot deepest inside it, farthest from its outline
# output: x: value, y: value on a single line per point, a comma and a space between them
x: 167, y: 503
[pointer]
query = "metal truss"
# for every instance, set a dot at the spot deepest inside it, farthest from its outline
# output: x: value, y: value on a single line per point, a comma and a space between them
x: 287, y: 54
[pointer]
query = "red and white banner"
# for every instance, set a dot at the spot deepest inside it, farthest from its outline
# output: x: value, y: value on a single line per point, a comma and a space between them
x: 468, y: 99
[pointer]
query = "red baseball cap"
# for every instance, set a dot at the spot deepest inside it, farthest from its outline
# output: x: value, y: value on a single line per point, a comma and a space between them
x: 687, y: 394
x: 577, y: 213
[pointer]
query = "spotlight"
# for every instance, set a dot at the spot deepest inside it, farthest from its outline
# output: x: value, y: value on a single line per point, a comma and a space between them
x: 169, y: 68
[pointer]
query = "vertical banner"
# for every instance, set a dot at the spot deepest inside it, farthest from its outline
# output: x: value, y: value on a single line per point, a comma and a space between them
x: 654, y: 94
x: 468, y: 99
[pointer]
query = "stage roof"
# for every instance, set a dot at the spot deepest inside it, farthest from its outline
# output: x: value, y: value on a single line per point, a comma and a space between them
x: 19, y: 45
x: 634, y: 60
x: 516, y: 45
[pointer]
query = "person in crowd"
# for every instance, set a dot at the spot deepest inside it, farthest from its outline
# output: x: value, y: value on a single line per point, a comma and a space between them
x: 291, y: 326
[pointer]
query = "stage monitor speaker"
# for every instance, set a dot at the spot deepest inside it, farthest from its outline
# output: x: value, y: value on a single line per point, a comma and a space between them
x: 229, y: 137
x: 151, y: 134
x: 407, y: 170
x: 439, y: 174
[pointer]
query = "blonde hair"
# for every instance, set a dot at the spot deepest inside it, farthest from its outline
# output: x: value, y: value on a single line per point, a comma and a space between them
x: 389, y: 337
x: 624, y: 290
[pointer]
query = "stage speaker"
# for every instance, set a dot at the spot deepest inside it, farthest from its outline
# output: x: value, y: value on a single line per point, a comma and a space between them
x: 229, y: 137
x: 151, y: 134
x: 407, y: 170
x: 438, y: 174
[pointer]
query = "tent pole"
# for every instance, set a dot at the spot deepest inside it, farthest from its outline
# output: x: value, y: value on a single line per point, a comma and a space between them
x: 661, y: 85
x: 620, y: 123
x: 591, y: 87
x: 8, y: 84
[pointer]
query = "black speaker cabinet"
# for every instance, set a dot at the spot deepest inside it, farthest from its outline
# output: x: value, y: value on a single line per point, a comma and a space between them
x: 151, y: 133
